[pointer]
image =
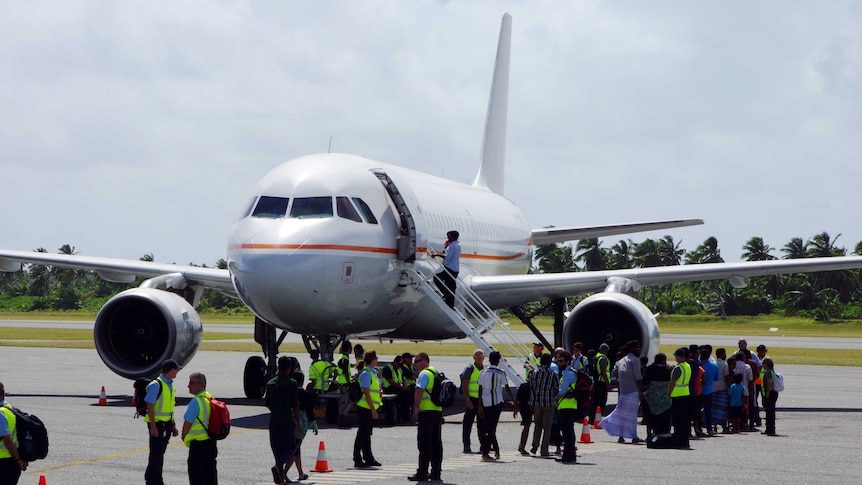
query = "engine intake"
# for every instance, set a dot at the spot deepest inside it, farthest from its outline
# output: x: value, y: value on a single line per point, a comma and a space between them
x: 140, y: 328
x: 614, y: 319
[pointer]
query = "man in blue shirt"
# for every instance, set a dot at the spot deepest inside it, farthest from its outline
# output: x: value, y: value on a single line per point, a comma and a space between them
x: 447, y: 280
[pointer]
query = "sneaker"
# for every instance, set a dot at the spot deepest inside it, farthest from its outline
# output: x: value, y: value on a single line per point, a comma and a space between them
x: 497, y: 455
x: 534, y: 449
x: 524, y: 452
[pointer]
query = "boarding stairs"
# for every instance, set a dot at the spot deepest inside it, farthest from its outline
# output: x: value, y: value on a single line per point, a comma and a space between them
x: 478, y: 322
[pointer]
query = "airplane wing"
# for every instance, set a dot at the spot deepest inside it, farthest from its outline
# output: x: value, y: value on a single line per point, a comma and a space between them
x: 119, y: 270
x: 510, y: 290
x: 555, y: 235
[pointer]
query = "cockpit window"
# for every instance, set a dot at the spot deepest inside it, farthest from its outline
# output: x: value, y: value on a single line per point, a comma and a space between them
x: 346, y: 209
x: 308, y: 207
x: 365, y: 210
x: 274, y: 207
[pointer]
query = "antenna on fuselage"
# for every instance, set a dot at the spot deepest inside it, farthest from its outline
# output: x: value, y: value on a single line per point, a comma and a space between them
x: 493, y: 159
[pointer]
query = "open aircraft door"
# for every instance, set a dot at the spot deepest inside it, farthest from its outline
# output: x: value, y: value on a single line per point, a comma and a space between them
x: 411, y: 242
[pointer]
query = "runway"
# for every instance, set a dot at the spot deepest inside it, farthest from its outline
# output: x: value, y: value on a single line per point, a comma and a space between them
x: 819, y: 416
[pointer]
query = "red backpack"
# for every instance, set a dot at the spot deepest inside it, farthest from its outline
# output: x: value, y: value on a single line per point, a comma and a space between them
x: 219, y: 424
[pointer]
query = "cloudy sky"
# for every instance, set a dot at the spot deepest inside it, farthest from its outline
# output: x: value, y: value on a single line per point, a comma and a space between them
x: 141, y: 127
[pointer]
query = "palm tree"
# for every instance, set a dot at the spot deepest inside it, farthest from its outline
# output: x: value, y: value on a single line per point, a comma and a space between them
x: 757, y: 250
x: 590, y: 253
x: 795, y: 249
x: 66, y: 276
x: 552, y: 258
x: 707, y: 252
x: 822, y: 246
x: 620, y: 255
x: 646, y: 254
x: 671, y: 254
x: 40, y: 277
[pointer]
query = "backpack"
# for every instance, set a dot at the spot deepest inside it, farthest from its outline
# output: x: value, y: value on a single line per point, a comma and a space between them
x: 219, y: 424
x: 777, y: 382
x: 141, y: 384
x: 32, y: 435
x: 583, y: 384
x: 442, y: 390
x: 354, y: 390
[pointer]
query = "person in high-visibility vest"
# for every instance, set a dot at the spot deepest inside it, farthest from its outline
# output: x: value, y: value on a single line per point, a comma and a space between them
x: 567, y: 406
x: 602, y: 386
x: 678, y: 390
x: 202, y: 448
x: 160, y: 399
x: 430, y: 426
x: 366, y: 411
x: 11, y: 464
x: 319, y: 373
x: 342, y: 378
x: 532, y: 362
x: 470, y: 389
x: 393, y: 384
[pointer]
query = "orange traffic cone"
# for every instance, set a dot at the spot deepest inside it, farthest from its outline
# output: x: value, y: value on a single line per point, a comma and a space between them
x: 585, y: 432
x: 597, y: 424
x: 322, y: 466
x: 42, y: 480
x: 103, y: 400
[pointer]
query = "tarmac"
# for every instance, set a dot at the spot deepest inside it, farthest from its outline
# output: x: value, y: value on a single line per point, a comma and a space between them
x: 819, y: 422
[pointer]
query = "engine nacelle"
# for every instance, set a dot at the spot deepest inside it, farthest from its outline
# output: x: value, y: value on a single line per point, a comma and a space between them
x: 614, y: 319
x: 140, y: 328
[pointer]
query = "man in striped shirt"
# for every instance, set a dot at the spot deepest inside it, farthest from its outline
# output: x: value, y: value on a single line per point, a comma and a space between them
x: 544, y: 384
x: 492, y: 380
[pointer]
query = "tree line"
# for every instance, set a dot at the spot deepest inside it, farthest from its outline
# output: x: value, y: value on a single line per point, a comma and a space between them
x: 823, y: 296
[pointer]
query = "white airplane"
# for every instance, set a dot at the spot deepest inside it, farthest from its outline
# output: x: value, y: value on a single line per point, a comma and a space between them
x: 326, y: 246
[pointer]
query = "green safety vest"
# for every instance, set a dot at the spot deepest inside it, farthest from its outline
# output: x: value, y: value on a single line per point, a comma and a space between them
x: 396, y: 376
x: 407, y: 369
x: 197, y: 432
x: 606, y: 376
x: 426, y: 404
x: 342, y: 378
x: 535, y: 361
x: 13, y: 432
x: 680, y: 389
x: 473, y: 384
x: 376, y: 397
x: 763, y: 382
x: 569, y: 402
x: 318, y: 373
x: 164, y: 406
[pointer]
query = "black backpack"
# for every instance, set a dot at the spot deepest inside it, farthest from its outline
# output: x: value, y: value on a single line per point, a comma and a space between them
x: 442, y: 390
x: 583, y: 384
x: 141, y: 384
x: 354, y: 390
x: 32, y: 436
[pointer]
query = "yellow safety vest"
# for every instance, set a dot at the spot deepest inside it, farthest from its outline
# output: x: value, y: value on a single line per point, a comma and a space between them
x: 317, y: 373
x: 473, y: 384
x: 407, y: 369
x: 164, y: 406
x: 376, y: 397
x: 13, y: 432
x: 396, y: 376
x: 197, y: 432
x: 680, y: 389
x: 342, y: 377
x: 606, y: 376
x: 426, y: 404
x: 569, y: 402
x: 535, y: 361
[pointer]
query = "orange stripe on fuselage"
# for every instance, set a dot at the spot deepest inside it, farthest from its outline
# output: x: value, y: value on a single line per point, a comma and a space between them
x: 367, y: 249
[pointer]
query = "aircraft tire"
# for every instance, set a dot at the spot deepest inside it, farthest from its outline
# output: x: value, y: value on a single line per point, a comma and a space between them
x: 254, y: 377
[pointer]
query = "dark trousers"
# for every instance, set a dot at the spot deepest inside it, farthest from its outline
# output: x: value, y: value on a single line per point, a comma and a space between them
x: 758, y: 395
x: 600, y: 399
x: 9, y: 471
x: 202, y: 462
x: 402, y: 402
x: 753, y: 411
x: 158, y: 445
x: 430, y: 443
x: 467, y: 427
x: 282, y: 441
x: 706, y: 401
x: 679, y: 416
x: 567, y: 419
x: 492, y: 417
x: 447, y: 281
x: 362, y: 444
x: 769, y: 407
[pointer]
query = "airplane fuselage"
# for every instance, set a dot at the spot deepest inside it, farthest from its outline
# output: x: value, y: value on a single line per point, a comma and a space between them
x: 307, y: 257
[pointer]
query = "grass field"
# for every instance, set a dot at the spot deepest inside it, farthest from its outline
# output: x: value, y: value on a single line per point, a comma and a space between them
x: 669, y: 324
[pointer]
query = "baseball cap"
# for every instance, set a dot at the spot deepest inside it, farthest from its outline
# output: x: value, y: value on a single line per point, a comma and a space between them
x: 170, y: 364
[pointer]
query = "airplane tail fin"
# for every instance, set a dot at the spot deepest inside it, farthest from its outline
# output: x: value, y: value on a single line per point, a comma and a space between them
x: 493, y: 160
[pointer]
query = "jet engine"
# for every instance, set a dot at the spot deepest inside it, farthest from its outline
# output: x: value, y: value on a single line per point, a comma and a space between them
x: 612, y: 318
x: 140, y: 328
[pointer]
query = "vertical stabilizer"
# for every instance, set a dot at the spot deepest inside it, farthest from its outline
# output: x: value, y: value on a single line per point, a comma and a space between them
x: 493, y: 161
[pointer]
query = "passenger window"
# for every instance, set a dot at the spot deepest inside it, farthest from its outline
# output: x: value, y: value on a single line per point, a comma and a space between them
x: 309, y: 207
x: 273, y: 207
x: 365, y: 210
x: 346, y: 210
